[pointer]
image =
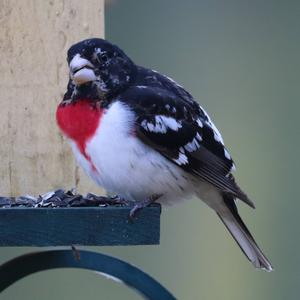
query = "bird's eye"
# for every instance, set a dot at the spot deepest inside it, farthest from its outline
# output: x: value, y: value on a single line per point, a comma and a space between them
x: 104, y: 57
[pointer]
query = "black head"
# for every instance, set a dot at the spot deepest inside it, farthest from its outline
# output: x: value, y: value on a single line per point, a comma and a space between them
x: 98, y: 69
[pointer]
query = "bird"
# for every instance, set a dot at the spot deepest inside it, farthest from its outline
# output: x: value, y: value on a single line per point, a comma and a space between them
x: 139, y: 134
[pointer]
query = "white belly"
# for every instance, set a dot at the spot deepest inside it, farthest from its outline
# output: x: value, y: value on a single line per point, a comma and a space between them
x: 126, y: 166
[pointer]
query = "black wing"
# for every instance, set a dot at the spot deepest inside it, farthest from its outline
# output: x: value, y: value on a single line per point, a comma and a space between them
x: 182, y: 132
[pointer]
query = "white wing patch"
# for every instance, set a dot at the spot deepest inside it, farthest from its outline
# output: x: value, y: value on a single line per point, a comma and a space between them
x: 217, y: 134
x: 162, y: 124
x: 227, y: 155
x: 233, y: 168
x: 192, y: 146
x: 198, y: 137
x: 182, y: 159
x: 199, y: 122
x: 170, y: 122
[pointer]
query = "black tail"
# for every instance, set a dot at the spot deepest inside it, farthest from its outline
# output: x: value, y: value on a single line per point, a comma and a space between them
x: 241, y: 234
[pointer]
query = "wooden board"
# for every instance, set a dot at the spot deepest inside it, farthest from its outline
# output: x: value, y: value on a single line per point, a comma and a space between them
x: 93, y: 226
x: 34, y: 38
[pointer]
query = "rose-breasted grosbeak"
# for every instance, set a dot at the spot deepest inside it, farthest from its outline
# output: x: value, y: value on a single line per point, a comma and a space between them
x: 139, y: 134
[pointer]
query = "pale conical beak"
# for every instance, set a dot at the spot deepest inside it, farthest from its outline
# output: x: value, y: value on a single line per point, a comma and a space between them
x: 81, y: 70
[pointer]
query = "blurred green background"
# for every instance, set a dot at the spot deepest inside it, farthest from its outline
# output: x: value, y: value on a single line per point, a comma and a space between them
x: 240, y: 59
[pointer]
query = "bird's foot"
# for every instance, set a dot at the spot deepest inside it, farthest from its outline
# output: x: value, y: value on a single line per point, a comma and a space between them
x: 142, y: 204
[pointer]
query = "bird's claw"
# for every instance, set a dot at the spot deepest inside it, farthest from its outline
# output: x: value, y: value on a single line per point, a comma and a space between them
x: 140, y: 205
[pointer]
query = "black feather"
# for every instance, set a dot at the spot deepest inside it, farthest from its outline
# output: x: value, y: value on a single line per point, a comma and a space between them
x: 153, y: 95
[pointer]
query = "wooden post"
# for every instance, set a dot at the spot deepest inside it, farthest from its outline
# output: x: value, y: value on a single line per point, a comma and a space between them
x: 34, y: 38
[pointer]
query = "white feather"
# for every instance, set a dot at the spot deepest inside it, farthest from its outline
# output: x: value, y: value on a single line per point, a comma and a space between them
x: 199, y: 122
x: 162, y: 124
x: 169, y: 122
x: 126, y: 166
x: 182, y: 159
x: 226, y: 153
x: 217, y: 134
x: 192, y: 146
x: 198, y: 137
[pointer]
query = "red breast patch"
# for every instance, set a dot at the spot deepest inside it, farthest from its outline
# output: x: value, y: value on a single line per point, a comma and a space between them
x: 79, y: 122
